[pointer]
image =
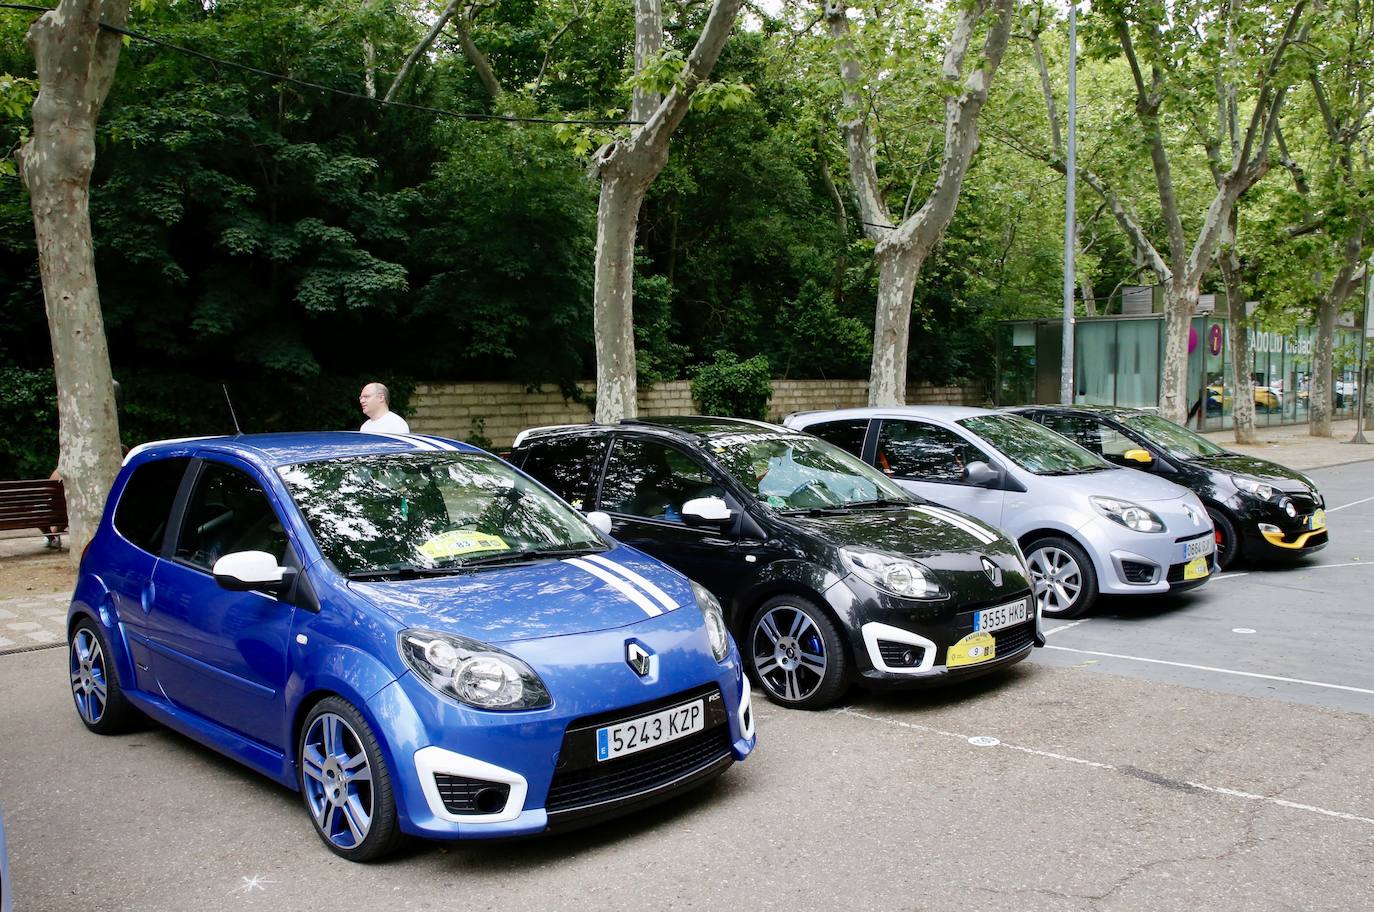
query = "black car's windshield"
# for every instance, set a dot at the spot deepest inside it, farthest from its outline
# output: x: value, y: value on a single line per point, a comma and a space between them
x: 801, y: 472
x: 1178, y: 442
x: 414, y: 513
x: 1033, y: 447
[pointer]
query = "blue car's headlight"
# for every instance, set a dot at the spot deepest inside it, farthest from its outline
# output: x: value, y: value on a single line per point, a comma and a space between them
x: 715, y: 621
x: 472, y: 672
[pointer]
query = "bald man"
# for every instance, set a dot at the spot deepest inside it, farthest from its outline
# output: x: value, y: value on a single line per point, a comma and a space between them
x: 375, y: 400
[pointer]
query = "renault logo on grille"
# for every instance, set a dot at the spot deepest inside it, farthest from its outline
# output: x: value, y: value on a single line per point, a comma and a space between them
x: 1192, y: 514
x: 638, y: 658
x: 993, y: 571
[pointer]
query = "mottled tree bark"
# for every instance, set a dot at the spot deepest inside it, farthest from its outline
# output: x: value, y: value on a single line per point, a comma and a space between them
x: 1238, y: 333
x: 627, y: 168
x: 76, y: 63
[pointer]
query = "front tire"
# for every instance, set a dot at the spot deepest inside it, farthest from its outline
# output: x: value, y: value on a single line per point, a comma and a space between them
x: 1227, y: 540
x: 345, y: 783
x: 796, y: 653
x: 1063, y: 576
x: 100, y: 699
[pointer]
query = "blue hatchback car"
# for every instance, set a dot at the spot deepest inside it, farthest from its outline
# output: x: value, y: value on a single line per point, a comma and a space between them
x: 415, y: 635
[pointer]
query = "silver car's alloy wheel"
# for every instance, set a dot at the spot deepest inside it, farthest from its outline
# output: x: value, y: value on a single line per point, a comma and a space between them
x: 1057, y: 578
x: 90, y: 686
x: 789, y: 653
x: 337, y: 780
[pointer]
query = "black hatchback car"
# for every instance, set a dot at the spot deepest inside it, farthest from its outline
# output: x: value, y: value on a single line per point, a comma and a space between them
x: 1260, y: 509
x: 829, y: 572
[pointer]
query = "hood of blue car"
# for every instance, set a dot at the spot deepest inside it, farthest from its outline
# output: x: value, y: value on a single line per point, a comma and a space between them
x: 546, y: 598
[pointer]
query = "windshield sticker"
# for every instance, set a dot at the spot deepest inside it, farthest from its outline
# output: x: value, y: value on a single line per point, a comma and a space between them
x: 458, y: 542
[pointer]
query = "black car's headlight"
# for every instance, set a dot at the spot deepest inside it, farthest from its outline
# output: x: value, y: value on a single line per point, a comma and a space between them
x: 1130, y: 515
x: 715, y: 621
x: 472, y: 672
x: 893, y: 573
x: 1254, y: 487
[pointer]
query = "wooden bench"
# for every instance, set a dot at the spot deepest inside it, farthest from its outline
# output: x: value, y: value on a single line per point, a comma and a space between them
x: 40, y: 505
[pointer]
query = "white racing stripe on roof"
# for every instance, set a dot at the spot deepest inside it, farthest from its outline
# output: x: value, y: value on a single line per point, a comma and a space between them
x: 416, y: 442
x: 658, y: 594
x: 617, y: 584
x: 954, y: 519
x: 439, y: 442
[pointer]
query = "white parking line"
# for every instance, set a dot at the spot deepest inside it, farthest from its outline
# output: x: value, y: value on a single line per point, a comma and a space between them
x: 1353, y: 503
x: 1079, y: 761
x: 1052, y: 631
x: 1229, y: 671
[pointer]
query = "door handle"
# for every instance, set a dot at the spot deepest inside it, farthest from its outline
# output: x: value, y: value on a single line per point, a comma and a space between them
x: 149, y: 594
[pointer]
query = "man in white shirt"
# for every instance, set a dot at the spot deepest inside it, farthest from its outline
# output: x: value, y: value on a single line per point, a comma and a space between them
x: 375, y: 400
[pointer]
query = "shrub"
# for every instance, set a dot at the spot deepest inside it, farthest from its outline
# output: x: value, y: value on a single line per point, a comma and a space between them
x: 733, y: 388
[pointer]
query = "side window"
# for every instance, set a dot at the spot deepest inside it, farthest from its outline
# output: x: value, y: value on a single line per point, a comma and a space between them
x: 141, y: 515
x: 847, y: 435
x: 651, y: 479
x: 227, y: 512
x: 566, y: 465
x: 1091, y: 434
x: 924, y: 452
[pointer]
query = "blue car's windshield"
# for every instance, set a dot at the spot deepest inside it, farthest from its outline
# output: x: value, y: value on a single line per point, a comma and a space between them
x: 1034, y: 447
x: 425, y: 511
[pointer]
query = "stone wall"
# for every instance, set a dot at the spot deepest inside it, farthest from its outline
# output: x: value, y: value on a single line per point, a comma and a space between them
x: 499, y: 411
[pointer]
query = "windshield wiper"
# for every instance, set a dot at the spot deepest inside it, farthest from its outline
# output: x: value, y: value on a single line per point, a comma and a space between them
x: 876, y: 502
x: 405, y: 571
x: 515, y: 557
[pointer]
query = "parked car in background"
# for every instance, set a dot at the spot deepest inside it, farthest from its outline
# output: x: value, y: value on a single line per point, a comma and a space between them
x: 829, y: 572
x: 1086, y: 527
x: 1258, y: 508
x: 413, y: 634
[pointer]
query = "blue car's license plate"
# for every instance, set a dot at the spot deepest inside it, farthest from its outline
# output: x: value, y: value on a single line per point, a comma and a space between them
x: 634, y: 735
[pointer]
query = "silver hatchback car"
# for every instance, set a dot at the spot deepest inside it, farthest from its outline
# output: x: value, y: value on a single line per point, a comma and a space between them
x: 1085, y: 525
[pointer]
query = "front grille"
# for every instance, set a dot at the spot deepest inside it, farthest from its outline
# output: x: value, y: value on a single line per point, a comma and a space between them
x: 1305, y: 503
x: 1013, y: 639
x: 1137, y: 572
x: 638, y: 773
x: 900, y: 655
x: 471, y: 796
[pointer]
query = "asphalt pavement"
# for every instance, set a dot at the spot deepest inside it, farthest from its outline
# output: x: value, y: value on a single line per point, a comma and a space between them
x: 1211, y: 751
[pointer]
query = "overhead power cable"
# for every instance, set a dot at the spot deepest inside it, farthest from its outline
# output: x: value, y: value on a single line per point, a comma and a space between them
x: 306, y: 84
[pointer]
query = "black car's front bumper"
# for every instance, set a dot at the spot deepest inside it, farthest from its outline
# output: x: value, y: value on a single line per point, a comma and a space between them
x: 1267, y: 531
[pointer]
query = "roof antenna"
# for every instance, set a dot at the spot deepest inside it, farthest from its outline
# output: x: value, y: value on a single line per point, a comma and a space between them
x: 237, y: 430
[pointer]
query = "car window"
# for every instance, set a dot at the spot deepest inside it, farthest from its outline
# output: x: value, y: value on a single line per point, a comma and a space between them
x: 791, y: 471
x: 1177, y: 441
x: 848, y: 434
x: 226, y: 513
x: 651, y: 479
x: 1090, y: 434
x: 914, y: 449
x: 146, y: 502
x: 566, y: 464
x: 1033, y: 447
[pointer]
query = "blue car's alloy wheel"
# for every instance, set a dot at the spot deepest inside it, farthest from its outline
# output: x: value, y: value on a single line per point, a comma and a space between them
x: 345, y: 782
x: 796, y: 653
x: 99, y: 698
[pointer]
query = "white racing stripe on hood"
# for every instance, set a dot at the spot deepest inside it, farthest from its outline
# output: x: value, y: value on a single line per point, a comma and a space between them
x: 954, y: 519
x: 656, y: 593
x: 617, y: 584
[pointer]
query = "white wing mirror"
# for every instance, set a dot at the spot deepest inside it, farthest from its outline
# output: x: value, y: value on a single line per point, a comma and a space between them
x: 706, y: 511
x: 244, y: 570
x: 600, y: 521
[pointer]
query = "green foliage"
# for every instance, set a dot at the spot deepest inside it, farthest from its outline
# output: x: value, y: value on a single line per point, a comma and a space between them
x: 28, y: 400
x: 732, y: 388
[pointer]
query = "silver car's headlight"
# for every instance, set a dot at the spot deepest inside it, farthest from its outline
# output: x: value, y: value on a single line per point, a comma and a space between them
x: 1255, y: 487
x: 472, y: 672
x: 715, y: 621
x: 893, y: 573
x: 1130, y: 515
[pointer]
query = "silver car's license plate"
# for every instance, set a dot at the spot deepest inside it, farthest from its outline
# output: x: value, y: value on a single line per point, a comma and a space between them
x: 1199, y: 547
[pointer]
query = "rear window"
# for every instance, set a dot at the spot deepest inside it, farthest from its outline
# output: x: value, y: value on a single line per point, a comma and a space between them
x: 566, y: 465
x: 146, y: 502
x: 848, y: 434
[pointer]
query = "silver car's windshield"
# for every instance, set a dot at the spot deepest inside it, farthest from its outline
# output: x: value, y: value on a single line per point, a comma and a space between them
x: 428, y: 511
x: 1033, y: 447
x: 1178, y: 442
x: 801, y: 472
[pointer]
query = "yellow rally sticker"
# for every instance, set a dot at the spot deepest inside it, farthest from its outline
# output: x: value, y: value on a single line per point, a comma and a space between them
x: 1196, y: 568
x: 461, y: 541
x: 1318, y: 520
x: 972, y: 649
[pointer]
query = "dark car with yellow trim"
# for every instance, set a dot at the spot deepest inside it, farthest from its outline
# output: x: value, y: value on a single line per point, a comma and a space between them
x: 1259, y: 508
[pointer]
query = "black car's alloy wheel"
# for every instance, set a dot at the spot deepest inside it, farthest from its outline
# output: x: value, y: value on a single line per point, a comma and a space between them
x: 1228, y: 545
x: 1063, y: 577
x: 796, y: 653
x: 345, y: 783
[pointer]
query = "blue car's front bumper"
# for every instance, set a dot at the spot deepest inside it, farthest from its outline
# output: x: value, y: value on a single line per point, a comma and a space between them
x: 437, y: 745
